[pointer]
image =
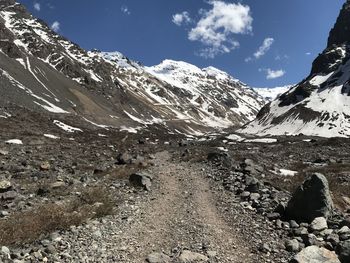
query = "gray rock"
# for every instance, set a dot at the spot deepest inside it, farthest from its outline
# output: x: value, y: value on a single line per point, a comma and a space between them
x: 314, y: 254
x: 293, y: 224
x: 318, y: 224
x: 5, y: 186
x: 245, y: 195
x: 344, y: 233
x: 343, y: 250
x: 189, y: 257
x: 141, y: 180
x: 3, y: 152
x: 158, y: 258
x: 124, y: 158
x: 5, y: 250
x: 273, y: 216
x: 292, y: 245
x: 254, y: 197
x: 333, y: 239
x: 310, y: 240
x: 311, y: 200
x: 8, y: 195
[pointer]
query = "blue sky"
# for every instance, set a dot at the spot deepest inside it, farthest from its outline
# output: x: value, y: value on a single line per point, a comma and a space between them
x: 264, y: 43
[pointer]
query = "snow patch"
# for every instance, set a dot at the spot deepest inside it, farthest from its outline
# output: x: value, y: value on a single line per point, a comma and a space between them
x: 66, y: 127
x: 51, y: 136
x: 14, y: 141
x: 285, y: 172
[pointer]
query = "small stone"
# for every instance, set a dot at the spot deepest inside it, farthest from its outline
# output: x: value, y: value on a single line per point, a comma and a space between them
x: 273, y: 216
x: 254, y: 196
x: 211, y: 253
x: 45, y: 166
x: 158, y: 258
x: 292, y: 245
x: 189, y: 257
x: 265, y: 248
x: 310, y: 240
x: 5, y: 250
x: 3, y: 152
x: 245, y: 195
x: 5, y: 186
x: 50, y: 249
x: 141, y: 180
x: 344, y: 230
x: 319, y: 224
x: 300, y: 231
x: 293, y: 224
x: 57, y: 184
x: 4, y: 213
x: 97, y: 233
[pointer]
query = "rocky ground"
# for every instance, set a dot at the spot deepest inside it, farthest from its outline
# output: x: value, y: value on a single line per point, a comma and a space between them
x: 209, y: 199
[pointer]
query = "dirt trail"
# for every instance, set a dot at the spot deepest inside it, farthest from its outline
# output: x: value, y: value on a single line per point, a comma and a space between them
x: 181, y: 214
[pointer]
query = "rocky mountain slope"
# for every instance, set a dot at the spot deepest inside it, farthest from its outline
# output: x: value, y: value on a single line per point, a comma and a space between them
x: 319, y: 105
x: 42, y: 71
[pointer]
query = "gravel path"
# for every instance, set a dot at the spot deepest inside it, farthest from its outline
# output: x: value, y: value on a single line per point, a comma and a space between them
x: 178, y: 214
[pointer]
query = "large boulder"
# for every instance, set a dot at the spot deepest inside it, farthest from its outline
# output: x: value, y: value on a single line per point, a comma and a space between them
x: 311, y: 200
x: 314, y: 254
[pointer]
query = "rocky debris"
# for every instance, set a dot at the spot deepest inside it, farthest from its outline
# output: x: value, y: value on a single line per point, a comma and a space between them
x: 314, y: 254
x: 312, y: 199
x: 141, y: 180
x: 343, y: 250
x: 192, y: 257
x: 158, y: 258
x: 221, y: 158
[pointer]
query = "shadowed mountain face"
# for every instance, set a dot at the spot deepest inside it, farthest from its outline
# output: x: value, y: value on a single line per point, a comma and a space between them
x: 320, y: 104
x: 42, y: 71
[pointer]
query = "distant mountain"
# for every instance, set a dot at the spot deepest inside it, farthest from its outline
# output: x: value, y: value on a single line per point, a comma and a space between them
x: 42, y: 71
x: 320, y: 104
x: 271, y: 94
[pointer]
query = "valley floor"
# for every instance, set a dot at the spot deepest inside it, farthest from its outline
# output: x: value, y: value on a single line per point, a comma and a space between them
x: 68, y: 198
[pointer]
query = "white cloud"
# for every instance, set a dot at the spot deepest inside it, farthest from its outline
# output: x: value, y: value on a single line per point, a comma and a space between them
x: 308, y: 53
x: 264, y: 47
x: 273, y: 74
x: 248, y: 59
x: 56, y: 26
x: 217, y: 26
x: 281, y: 57
x: 125, y: 10
x: 37, y: 6
x: 182, y: 18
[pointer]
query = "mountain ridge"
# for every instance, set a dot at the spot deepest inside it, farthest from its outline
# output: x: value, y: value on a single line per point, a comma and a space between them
x: 109, y: 89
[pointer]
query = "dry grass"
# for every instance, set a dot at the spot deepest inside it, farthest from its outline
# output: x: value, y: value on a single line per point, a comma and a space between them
x: 23, y: 227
